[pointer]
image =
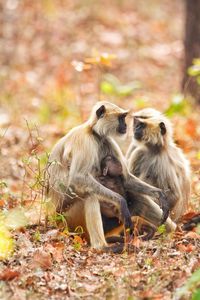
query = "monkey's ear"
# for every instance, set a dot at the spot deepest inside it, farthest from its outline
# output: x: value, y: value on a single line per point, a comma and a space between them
x: 163, y: 129
x: 101, y: 112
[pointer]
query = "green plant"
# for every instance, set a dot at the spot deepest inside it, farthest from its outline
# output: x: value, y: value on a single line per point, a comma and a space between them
x: 57, y: 218
x: 37, y: 236
x: 178, y: 105
x: 194, y: 70
x: 162, y: 229
x: 111, y: 85
x: 191, y: 286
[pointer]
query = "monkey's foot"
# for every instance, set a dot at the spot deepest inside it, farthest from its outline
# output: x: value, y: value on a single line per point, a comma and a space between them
x: 149, y: 232
x: 120, y: 248
x: 146, y: 232
x: 164, y: 206
x: 115, y: 239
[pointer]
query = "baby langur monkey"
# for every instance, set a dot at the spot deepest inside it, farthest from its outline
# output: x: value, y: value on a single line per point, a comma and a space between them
x: 154, y: 158
x: 112, y: 178
x: 112, y: 175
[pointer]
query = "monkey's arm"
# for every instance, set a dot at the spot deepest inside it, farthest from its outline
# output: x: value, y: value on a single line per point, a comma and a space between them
x: 143, y: 206
x: 85, y: 185
x: 136, y: 186
x: 130, y: 150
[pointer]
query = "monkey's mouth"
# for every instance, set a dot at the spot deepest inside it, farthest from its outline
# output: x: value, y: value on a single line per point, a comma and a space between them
x: 138, y: 136
x: 122, y: 131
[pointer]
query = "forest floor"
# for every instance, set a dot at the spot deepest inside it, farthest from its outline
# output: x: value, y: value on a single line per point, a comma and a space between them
x: 57, y: 59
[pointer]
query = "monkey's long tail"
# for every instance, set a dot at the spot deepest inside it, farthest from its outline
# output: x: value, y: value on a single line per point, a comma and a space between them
x: 192, y: 223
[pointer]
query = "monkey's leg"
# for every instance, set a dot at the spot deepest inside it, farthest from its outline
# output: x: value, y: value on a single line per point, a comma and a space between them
x: 137, y: 187
x: 119, y: 248
x: 94, y: 223
x: 149, y: 210
x: 84, y: 213
x: 90, y: 187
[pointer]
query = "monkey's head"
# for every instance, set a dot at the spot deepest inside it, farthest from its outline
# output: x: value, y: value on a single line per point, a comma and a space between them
x: 110, y: 166
x: 107, y: 119
x: 151, y: 128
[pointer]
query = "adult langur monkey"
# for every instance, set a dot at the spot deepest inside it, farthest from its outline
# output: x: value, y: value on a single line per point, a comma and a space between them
x: 154, y: 158
x: 74, y: 164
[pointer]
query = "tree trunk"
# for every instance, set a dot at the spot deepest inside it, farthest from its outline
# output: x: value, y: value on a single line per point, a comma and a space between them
x: 192, y: 46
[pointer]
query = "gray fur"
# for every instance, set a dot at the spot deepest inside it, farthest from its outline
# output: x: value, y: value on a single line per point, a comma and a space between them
x: 159, y: 162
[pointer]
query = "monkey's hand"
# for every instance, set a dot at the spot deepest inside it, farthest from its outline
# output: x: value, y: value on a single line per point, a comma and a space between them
x: 135, y: 185
x: 164, y: 206
x: 126, y: 217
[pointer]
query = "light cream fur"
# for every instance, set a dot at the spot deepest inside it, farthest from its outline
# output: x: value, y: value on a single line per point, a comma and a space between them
x: 77, y: 153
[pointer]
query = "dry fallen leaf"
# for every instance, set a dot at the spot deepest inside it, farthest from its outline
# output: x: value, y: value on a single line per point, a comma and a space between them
x: 78, y: 239
x: 56, y: 250
x: 42, y: 259
x: 186, y: 248
x: 9, y: 274
x: 192, y: 235
x: 136, y: 242
x: 2, y: 203
x: 189, y: 216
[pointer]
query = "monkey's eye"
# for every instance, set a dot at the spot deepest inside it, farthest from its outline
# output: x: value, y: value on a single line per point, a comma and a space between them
x: 140, y: 125
x: 122, y: 116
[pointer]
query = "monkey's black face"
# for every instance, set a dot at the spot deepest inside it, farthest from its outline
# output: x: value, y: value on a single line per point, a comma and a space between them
x: 122, y: 127
x: 138, y: 128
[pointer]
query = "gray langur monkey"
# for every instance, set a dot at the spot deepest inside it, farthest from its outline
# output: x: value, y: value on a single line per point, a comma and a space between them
x: 154, y: 158
x: 74, y: 165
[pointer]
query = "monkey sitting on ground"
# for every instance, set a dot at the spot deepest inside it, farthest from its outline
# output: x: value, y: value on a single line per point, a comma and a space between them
x: 74, y: 165
x: 154, y: 158
x: 112, y: 178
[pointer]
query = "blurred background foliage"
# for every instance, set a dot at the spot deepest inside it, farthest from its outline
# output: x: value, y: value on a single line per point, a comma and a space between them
x: 59, y: 57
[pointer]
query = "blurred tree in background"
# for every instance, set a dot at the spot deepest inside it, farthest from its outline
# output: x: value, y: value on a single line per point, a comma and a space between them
x: 192, y: 48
